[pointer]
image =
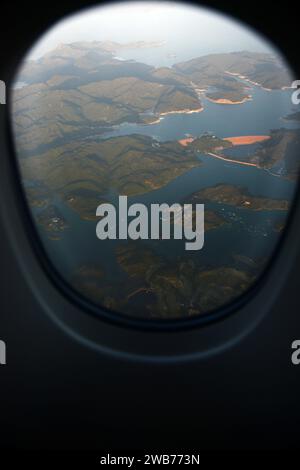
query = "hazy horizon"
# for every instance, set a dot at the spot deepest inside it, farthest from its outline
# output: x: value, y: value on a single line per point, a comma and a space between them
x: 185, y: 29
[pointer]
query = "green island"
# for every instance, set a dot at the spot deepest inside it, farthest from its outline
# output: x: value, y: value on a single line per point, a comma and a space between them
x: 237, y: 196
x: 207, y: 143
x: 132, y: 165
x: 84, y: 202
x: 179, y: 288
x: 258, y: 68
x: 52, y: 221
x: 212, y: 220
x: 282, y: 146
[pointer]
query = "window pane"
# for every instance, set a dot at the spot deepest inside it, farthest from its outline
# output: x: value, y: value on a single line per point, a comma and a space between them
x: 156, y: 104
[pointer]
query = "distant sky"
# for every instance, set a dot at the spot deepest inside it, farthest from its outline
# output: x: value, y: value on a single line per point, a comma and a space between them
x: 182, y: 26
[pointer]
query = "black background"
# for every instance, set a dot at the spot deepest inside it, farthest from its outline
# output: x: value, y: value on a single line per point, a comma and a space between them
x: 57, y: 395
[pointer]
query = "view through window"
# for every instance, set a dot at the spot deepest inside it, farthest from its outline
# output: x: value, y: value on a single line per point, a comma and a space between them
x: 122, y: 111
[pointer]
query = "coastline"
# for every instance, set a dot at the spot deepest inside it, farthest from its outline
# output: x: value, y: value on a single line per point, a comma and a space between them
x: 226, y: 101
x: 182, y: 111
x: 156, y: 121
x: 243, y: 77
x: 230, y: 160
x: 235, y: 141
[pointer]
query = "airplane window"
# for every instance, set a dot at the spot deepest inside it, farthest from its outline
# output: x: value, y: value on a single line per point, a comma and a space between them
x: 158, y: 149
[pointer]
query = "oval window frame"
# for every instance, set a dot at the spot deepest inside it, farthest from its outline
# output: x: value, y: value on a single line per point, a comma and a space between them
x: 92, y: 329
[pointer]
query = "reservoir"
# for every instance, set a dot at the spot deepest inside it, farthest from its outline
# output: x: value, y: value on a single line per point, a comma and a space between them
x: 247, y: 235
x: 243, y: 243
